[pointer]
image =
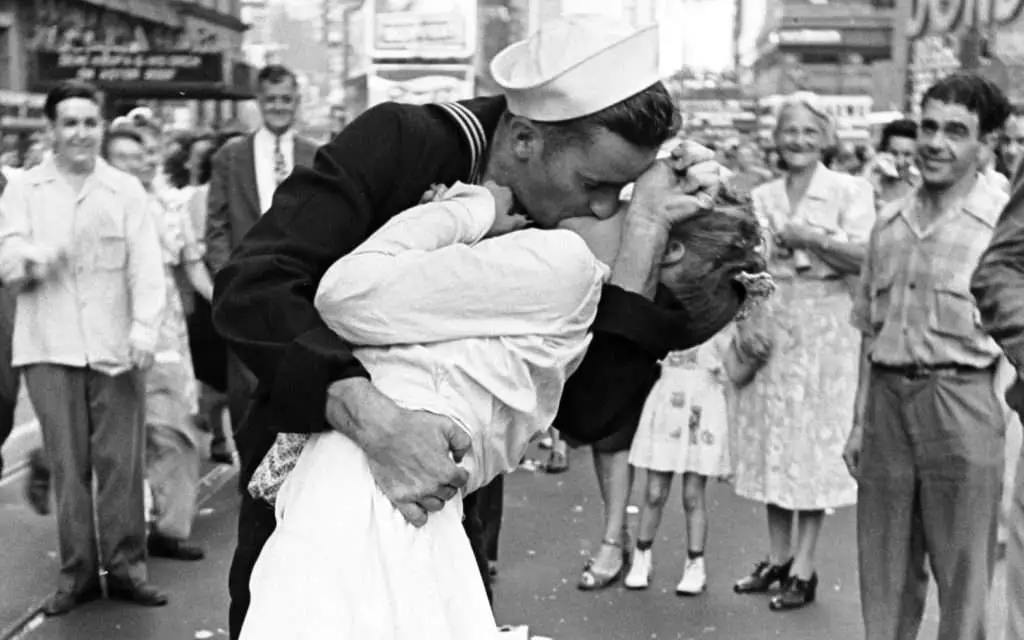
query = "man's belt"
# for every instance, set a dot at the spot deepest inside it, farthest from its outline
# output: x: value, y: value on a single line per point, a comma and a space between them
x: 918, y: 371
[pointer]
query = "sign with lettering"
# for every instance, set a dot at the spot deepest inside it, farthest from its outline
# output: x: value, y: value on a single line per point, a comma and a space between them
x: 427, y: 29
x: 939, y: 17
x: 101, y: 67
x: 419, y: 84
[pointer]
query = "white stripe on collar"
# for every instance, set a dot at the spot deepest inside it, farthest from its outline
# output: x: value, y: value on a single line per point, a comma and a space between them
x: 470, y: 126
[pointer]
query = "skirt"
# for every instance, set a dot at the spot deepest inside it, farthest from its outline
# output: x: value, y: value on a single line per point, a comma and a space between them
x: 792, y: 422
x: 684, y: 427
x: 344, y: 563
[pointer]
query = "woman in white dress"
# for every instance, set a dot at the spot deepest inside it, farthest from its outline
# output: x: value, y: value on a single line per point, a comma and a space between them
x: 483, y: 330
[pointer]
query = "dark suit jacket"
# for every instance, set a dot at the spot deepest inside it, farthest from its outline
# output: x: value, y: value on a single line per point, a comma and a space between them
x: 234, y: 200
x: 997, y: 285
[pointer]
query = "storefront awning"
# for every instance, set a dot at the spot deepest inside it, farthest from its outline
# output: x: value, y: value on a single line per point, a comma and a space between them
x: 178, y: 75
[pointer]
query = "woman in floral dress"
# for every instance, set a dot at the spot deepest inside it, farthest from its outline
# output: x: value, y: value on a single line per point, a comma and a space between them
x: 793, y: 419
x: 172, y: 445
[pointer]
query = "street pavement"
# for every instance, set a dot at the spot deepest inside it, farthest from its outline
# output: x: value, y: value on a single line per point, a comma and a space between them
x: 551, y: 525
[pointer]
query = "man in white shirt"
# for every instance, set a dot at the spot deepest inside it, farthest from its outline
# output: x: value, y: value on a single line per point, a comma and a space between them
x: 248, y: 169
x: 83, y: 256
x: 246, y: 172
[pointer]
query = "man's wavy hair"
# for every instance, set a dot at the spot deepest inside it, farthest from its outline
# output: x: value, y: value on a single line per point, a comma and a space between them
x: 721, y: 244
x: 646, y: 119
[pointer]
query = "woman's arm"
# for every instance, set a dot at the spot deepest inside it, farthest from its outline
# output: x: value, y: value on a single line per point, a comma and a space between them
x: 855, y: 220
x: 192, y: 252
x: 418, y: 280
x: 199, y: 276
x: 844, y: 256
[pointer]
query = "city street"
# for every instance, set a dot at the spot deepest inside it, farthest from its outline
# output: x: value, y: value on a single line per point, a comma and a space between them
x: 550, y: 527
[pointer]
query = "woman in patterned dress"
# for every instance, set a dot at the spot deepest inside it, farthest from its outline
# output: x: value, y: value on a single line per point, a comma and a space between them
x: 793, y: 419
x: 172, y: 445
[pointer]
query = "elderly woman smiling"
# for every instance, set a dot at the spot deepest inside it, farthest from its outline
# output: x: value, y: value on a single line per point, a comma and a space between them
x: 793, y: 418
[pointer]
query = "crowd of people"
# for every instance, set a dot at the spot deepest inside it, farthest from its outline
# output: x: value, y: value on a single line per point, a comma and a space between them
x: 117, y: 229
x: 453, y: 282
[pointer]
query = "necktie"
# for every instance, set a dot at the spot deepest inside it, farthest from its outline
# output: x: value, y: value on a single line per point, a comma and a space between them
x: 280, y: 165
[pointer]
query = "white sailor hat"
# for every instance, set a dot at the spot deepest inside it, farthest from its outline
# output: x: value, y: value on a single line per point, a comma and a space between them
x: 576, y: 65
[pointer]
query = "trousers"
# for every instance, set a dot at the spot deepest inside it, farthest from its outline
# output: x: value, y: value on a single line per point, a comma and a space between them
x: 172, y: 468
x: 1015, y: 557
x: 92, y: 427
x: 931, y: 471
x: 241, y: 385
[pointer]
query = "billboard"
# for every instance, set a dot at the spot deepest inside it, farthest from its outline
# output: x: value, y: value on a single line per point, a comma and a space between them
x: 423, y: 29
x: 419, y: 84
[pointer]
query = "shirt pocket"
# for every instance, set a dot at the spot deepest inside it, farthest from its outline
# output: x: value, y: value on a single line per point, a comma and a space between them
x: 111, y: 252
x: 953, y: 312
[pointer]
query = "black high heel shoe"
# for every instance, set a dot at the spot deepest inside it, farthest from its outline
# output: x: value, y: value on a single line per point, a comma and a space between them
x: 795, y: 594
x: 765, y: 575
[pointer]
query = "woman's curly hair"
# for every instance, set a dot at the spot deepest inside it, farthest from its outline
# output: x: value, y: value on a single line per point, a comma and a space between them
x: 721, y: 244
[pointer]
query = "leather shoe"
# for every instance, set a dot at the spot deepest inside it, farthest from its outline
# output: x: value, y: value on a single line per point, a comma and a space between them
x: 141, y: 593
x: 164, y: 547
x: 64, y: 601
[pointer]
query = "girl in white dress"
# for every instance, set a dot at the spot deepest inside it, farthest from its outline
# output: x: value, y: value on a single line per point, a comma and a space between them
x: 483, y: 331
x: 684, y: 430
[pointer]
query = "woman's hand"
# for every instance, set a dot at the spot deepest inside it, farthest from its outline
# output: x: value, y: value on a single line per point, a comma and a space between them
x: 754, y: 342
x: 434, y: 193
x: 796, y: 235
x: 505, y: 220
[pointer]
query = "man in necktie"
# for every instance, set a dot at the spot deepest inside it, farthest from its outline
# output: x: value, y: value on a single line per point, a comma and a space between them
x: 246, y: 172
x: 281, y: 169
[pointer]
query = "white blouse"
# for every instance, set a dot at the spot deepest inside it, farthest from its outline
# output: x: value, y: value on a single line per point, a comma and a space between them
x: 485, y: 331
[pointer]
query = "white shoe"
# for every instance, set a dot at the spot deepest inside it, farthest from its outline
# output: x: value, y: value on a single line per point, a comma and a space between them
x: 640, y: 570
x: 695, y: 578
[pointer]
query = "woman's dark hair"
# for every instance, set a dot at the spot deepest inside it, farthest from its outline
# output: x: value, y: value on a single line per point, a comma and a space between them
x: 66, y: 91
x: 206, y: 161
x: 205, y: 169
x: 176, y: 164
x: 720, y: 244
x: 646, y: 119
x: 978, y: 94
x: 897, y: 129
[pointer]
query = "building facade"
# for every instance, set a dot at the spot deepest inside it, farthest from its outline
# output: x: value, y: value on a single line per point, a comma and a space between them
x: 827, y: 48
x: 181, y: 56
x: 945, y: 36
x: 841, y: 51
